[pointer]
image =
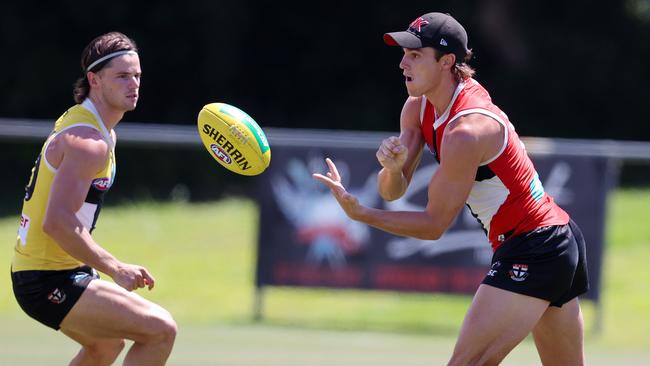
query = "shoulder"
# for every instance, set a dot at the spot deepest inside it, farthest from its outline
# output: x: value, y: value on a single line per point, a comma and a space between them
x: 84, y: 142
x: 411, y: 111
x: 412, y: 106
x: 462, y: 133
x: 473, y: 125
x: 473, y: 132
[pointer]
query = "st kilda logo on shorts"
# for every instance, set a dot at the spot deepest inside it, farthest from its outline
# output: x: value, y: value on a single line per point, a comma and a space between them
x: 519, y: 272
x: 56, y: 296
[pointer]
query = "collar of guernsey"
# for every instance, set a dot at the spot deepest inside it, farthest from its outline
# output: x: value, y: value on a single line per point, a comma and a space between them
x: 88, y: 104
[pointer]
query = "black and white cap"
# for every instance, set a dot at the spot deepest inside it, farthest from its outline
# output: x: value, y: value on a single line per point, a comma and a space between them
x: 438, y: 30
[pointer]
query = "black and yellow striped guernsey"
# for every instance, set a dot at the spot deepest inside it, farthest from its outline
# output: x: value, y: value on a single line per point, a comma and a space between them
x: 34, y: 249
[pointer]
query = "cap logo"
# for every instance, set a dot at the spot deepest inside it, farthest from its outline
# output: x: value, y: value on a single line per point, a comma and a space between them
x: 417, y: 24
x: 443, y: 42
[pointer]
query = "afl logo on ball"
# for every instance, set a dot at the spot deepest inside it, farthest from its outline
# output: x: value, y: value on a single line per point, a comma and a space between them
x: 220, y: 153
x: 102, y: 184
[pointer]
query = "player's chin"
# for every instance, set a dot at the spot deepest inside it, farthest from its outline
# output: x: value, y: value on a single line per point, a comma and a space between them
x: 413, y: 93
x: 131, y: 104
x: 410, y: 89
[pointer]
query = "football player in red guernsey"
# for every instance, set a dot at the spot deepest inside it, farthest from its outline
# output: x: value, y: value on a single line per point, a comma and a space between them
x: 538, y: 265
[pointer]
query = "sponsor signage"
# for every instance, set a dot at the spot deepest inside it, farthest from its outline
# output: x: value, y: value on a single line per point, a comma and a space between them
x: 307, y: 240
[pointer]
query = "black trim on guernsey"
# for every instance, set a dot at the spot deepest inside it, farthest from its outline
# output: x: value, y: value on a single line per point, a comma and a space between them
x: 99, y: 208
x: 435, y: 148
x: 477, y: 219
x: 29, y: 189
x: 484, y: 173
x: 506, y: 235
x: 95, y: 195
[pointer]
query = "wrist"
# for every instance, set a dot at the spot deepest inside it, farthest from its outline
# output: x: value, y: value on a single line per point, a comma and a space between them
x: 361, y: 214
x: 112, y: 268
x: 392, y: 184
x: 393, y: 171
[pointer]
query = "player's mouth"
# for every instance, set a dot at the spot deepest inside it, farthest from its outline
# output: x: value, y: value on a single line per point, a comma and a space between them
x: 408, y: 78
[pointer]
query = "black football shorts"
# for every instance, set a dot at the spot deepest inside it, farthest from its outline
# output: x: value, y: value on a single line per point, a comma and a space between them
x: 48, y: 296
x: 548, y: 263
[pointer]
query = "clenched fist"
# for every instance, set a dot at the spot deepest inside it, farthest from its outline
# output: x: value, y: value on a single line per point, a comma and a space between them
x: 392, y: 154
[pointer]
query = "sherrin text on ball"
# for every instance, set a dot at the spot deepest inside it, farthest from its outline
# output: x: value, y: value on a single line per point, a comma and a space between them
x: 234, y: 139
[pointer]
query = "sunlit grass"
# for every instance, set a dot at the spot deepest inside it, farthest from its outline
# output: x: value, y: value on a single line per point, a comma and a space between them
x: 203, y: 256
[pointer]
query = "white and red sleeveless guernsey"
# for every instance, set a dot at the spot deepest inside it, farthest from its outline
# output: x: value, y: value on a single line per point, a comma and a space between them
x: 507, y: 197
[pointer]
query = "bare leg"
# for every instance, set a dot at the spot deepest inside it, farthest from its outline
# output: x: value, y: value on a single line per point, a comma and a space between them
x: 495, y: 323
x: 106, y: 310
x: 95, y: 351
x: 559, y: 335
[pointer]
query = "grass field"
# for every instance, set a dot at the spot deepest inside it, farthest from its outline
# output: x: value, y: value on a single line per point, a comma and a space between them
x: 204, y: 266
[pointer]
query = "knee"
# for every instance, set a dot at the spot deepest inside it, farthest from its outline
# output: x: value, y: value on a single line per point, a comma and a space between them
x: 104, y: 352
x: 459, y: 359
x: 483, y: 358
x: 169, y: 329
x: 162, y: 328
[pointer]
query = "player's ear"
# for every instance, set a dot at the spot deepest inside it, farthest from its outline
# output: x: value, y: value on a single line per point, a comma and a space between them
x: 92, y: 78
x: 448, y: 60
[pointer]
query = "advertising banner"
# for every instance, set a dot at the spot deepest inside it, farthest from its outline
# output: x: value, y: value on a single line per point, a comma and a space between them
x: 306, y: 239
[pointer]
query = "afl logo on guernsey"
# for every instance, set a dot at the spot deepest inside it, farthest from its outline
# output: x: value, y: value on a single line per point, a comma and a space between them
x: 102, y: 184
x: 220, y: 153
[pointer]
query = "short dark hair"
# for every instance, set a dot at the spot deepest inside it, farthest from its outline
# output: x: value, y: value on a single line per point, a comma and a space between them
x: 96, y: 49
x: 460, y: 69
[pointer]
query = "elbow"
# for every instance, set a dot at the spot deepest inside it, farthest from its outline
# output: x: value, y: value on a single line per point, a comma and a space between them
x: 431, y: 229
x: 430, y: 234
x: 388, y: 197
x: 51, y: 225
x: 435, y: 235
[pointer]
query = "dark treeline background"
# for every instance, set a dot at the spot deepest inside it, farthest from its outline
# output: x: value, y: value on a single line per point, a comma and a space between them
x: 576, y: 69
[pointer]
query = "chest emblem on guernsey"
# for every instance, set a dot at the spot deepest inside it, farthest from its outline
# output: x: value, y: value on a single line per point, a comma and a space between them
x: 102, y: 184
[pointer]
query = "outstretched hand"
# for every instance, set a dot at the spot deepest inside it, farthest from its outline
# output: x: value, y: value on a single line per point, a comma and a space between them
x: 332, y: 179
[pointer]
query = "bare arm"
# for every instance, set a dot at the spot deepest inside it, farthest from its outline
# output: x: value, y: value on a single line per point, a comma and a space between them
x: 81, y: 153
x: 400, y: 156
x: 469, y: 141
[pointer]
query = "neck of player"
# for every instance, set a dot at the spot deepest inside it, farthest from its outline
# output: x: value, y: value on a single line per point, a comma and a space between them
x: 440, y: 95
x: 110, y: 115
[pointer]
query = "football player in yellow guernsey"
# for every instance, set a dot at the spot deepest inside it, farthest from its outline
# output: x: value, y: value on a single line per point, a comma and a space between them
x: 53, y: 270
